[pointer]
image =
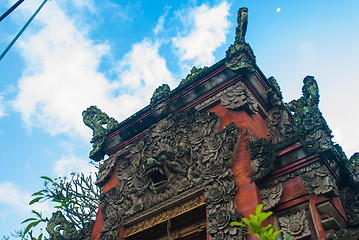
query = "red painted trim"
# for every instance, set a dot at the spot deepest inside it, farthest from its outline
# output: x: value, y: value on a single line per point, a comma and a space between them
x: 210, y: 94
x: 294, y: 166
x: 289, y: 149
x: 121, y: 145
x: 219, y: 70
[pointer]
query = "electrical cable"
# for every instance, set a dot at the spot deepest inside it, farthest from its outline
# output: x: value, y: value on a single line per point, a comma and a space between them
x: 22, y: 30
x: 11, y: 9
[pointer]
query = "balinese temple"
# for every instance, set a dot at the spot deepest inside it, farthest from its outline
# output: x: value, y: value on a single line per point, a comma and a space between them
x: 211, y: 150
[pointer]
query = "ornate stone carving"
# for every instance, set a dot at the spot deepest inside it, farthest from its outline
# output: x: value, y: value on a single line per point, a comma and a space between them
x: 239, y: 97
x: 271, y: 196
x: 160, y: 93
x: 106, y: 168
x: 295, y: 225
x: 320, y: 181
x: 235, y: 97
x: 349, y: 197
x: 262, y: 156
x: 95, y: 119
x: 240, y: 55
x: 178, y: 156
x: 277, y: 121
x: 194, y: 73
x: 60, y: 229
x: 342, y: 234
x: 165, y: 215
x: 354, y: 163
x: 308, y: 120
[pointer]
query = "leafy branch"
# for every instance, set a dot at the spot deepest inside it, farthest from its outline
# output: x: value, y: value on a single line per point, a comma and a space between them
x: 255, y: 225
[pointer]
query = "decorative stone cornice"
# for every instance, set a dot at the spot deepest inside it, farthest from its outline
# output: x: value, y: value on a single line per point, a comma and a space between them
x: 95, y: 119
x: 295, y: 225
x: 320, y: 181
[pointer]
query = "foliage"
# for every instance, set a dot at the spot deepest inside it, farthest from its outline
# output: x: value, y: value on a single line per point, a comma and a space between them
x: 76, y: 197
x: 255, y: 222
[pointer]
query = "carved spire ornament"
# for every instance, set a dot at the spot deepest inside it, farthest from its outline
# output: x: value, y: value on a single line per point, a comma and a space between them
x: 95, y: 119
x: 240, y: 55
x: 308, y: 120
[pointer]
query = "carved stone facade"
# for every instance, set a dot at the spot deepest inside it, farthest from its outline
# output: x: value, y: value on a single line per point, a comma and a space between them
x: 295, y: 225
x: 181, y: 155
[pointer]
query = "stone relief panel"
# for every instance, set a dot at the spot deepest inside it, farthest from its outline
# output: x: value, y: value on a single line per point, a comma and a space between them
x: 320, y: 181
x: 271, y: 196
x: 295, y: 225
x: 177, y: 157
x: 261, y: 152
x: 236, y: 97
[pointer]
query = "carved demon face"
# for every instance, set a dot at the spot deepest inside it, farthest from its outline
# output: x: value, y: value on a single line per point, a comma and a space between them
x: 154, y: 168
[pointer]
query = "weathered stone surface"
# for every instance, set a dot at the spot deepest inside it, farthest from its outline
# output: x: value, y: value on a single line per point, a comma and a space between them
x: 308, y: 120
x: 262, y: 156
x: 194, y: 73
x: 342, y: 234
x: 238, y: 97
x: 60, y: 229
x: 95, y: 119
x: 295, y: 225
x: 320, y: 181
x: 271, y: 196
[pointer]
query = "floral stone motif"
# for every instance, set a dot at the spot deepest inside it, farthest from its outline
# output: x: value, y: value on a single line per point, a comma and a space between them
x: 239, y: 97
x: 319, y: 181
x: 271, y: 196
x: 295, y: 225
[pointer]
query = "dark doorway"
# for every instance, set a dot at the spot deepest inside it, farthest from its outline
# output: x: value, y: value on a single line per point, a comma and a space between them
x: 191, y: 225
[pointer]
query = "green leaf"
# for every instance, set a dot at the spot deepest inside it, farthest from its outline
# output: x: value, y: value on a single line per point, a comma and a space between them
x: 38, y: 193
x: 287, y: 237
x: 259, y: 209
x: 27, y: 220
x: 35, y: 200
x: 31, y: 225
x: 235, y: 223
x: 40, y: 237
x: 37, y: 213
x: 47, y: 178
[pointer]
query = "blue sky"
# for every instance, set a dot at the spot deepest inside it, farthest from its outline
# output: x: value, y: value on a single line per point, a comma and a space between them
x: 113, y: 54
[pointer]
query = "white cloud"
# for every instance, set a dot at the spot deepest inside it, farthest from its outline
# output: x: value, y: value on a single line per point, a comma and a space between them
x: 2, y: 107
x: 210, y: 26
x: 18, y: 200
x: 69, y: 164
x: 61, y: 78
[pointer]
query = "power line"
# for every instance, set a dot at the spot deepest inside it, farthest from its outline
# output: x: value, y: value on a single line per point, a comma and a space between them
x: 22, y: 30
x: 11, y: 9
